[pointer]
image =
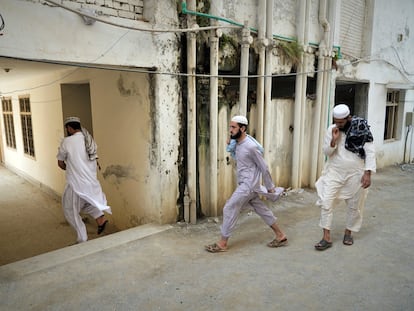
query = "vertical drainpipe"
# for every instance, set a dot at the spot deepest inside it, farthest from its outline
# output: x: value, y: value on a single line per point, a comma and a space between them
x: 261, y: 45
x: 305, y: 69
x: 326, y: 103
x: 323, y: 89
x: 299, y: 95
x: 191, y: 118
x: 268, y: 79
x: 317, y: 118
x: 244, y: 69
x: 214, y: 49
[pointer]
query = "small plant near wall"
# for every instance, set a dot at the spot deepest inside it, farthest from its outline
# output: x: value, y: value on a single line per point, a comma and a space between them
x: 334, y: 59
x: 228, y: 53
x: 292, y: 51
x: 203, y: 7
x: 228, y: 40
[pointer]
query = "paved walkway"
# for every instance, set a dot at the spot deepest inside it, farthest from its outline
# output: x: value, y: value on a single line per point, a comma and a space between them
x: 166, y: 268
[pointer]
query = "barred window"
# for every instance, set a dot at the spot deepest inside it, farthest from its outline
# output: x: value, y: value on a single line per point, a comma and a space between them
x: 27, y: 129
x: 391, y: 115
x: 6, y: 103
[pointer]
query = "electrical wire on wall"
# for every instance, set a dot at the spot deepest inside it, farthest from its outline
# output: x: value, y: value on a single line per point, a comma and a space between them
x: 153, y: 30
x: 179, y: 74
x: 2, y: 23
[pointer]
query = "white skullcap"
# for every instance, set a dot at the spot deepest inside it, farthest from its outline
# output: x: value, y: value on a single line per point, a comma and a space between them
x: 240, y: 119
x: 341, y: 111
x: 72, y: 119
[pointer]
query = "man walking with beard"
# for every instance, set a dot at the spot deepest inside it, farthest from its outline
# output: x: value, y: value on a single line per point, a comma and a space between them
x: 350, y: 150
x: 251, y: 168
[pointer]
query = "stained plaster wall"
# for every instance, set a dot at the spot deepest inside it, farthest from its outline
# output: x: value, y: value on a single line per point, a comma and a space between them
x: 136, y: 117
x: 122, y: 128
x: 377, y: 74
x: 284, y: 21
x: 53, y: 33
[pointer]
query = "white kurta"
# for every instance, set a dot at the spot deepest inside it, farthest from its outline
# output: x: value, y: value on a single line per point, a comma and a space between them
x: 83, y: 192
x: 341, y: 179
x: 81, y: 172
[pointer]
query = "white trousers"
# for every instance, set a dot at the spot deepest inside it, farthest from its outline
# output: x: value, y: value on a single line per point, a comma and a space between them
x: 73, y: 205
x: 355, y: 206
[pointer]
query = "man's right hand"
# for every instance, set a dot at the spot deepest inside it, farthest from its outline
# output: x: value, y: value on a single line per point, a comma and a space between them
x: 335, y: 136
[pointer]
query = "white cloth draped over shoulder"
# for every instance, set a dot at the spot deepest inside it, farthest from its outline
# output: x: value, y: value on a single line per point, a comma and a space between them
x: 81, y: 171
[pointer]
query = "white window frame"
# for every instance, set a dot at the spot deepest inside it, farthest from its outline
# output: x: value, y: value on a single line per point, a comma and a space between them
x: 392, y: 115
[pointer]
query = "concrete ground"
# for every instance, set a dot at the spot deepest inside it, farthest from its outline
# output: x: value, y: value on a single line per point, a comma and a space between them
x: 166, y: 268
x: 32, y: 221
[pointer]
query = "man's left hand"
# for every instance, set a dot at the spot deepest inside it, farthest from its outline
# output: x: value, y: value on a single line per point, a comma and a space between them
x: 366, y: 179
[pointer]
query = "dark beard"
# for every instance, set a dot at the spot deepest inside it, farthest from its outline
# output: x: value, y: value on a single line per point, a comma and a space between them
x: 236, y: 136
x: 346, y: 127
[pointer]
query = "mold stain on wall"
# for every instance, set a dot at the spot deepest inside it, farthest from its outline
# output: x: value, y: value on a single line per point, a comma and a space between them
x: 127, y: 90
x: 120, y: 173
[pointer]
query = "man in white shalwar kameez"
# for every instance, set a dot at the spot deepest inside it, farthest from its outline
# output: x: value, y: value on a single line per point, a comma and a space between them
x: 251, y: 167
x: 346, y: 176
x: 83, y: 192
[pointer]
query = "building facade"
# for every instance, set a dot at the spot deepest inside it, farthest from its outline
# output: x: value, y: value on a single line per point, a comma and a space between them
x: 156, y: 82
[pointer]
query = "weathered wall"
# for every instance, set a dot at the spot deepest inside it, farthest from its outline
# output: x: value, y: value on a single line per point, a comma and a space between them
x: 54, y: 33
x: 136, y: 116
x: 123, y: 130
x: 388, y: 61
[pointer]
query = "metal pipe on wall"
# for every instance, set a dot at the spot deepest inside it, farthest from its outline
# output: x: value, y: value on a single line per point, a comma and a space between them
x: 214, y: 49
x: 261, y: 45
x: 324, y: 87
x: 244, y: 69
x: 268, y: 78
x: 318, y: 115
x: 326, y: 105
x: 191, y: 118
x: 300, y: 93
x: 317, y: 121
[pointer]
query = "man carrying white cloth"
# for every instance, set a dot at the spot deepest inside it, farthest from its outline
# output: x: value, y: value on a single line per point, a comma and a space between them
x: 77, y: 155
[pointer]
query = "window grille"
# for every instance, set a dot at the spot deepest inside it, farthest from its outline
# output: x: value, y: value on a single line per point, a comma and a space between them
x: 27, y: 129
x: 8, y: 122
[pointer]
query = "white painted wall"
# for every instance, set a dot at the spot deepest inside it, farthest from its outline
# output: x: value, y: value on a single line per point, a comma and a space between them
x: 389, y: 62
x: 54, y: 33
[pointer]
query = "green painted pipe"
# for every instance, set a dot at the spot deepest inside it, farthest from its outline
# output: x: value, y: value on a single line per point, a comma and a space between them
x: 185, y: 11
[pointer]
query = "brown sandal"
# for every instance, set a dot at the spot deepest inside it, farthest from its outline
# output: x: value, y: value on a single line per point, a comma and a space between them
x: 277, y: 243
x: 215, y: 248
